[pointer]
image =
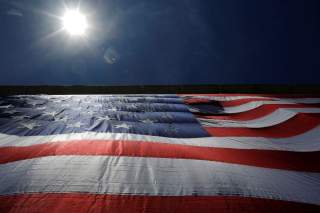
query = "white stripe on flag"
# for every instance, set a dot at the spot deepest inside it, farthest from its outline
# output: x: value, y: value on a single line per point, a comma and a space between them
x: 156, y: 176
x: 233, y: 98
x: 279, y: 116
x: 306, y: 142
x: 255, y: 104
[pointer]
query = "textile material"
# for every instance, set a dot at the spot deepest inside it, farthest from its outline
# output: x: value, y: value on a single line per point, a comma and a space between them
x: 159, y: 153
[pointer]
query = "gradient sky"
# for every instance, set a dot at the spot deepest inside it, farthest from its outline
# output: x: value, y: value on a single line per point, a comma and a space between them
x: 160, y: 42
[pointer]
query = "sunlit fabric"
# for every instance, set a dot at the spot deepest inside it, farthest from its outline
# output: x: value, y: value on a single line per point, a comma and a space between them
x: 159, y: 153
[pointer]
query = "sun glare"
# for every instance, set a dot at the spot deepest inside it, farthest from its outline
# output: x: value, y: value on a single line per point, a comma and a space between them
x: 74, y: 22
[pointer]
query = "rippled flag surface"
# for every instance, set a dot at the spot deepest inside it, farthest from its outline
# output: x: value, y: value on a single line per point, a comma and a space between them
x: 159, y: 153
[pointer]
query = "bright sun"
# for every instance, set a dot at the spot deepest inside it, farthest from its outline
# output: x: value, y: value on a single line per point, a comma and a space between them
x: 74, y: 22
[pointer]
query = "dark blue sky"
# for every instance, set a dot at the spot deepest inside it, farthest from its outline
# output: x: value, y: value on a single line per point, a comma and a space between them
x: 152, y: 42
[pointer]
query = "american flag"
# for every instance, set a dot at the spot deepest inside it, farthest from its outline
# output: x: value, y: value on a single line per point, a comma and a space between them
x: 159, y: 153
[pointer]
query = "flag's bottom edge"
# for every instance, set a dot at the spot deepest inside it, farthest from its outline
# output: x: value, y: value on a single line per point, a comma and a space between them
x: 78, y: 202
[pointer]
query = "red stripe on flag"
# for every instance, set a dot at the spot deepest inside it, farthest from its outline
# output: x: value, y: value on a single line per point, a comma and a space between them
x: 197, y: 101
x: 225, y: 103
x: 254, y: 95
x: 258, y: 112
x: 77, y: 202
x: 299, y: 124
x: 242, y: 101
x: 301, y: 161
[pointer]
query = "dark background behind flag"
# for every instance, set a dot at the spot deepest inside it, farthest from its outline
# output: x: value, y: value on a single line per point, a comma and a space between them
x: 162, y: 42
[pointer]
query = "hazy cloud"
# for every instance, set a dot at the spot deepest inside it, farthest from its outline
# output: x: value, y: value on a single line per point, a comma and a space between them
x: 14, y: 12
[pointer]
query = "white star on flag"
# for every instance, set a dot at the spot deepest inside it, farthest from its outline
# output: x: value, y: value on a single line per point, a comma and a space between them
x: 53, y: 113
x: 75, y: 125
x: 89, y: 112
x: 11, y: 111
x: 172, y: 129
x: 29, y: 126
x: 6, y: 106
x: 167, y: 116
x: 41, y: 108
x: 104, y: 118
x: 65, y: 105
x: 113, y: 109
x: 133, y: 106
x: 147, y: 121
x: 123, y: 126
x: 64, y: 119
x: 33, y: 103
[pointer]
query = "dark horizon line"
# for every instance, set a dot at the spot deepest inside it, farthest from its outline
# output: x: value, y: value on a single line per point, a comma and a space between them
x: 164, y: 89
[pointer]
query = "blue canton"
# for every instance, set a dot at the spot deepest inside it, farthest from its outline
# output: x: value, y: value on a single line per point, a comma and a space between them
x: 158, y: 115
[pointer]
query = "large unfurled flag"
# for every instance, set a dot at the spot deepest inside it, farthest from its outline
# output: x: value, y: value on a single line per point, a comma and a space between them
x: 159, y: 153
